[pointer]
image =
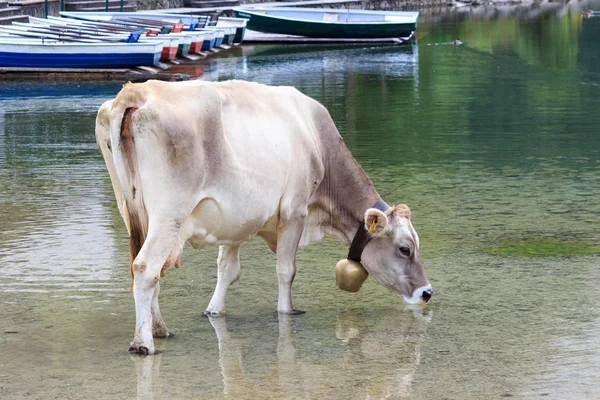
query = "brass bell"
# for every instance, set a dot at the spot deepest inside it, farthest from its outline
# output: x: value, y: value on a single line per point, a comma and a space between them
x: 350, y: 275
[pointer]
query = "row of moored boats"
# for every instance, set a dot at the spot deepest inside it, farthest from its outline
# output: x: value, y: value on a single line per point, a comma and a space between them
x: 113, y: 40
x: 122, y: 40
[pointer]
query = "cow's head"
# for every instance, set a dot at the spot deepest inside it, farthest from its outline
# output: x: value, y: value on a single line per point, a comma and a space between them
x: 392, y: 255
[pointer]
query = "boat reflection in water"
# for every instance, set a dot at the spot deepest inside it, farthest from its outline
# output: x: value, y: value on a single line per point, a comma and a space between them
x: 318, y: 67
x: 370, y: 356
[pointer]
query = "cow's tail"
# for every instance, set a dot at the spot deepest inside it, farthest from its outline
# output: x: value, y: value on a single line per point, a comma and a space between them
x: 134, y: 210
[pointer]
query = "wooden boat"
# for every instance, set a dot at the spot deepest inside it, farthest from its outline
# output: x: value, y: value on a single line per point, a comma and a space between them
x: 190, y: 41
x: 170, y: 43
x: 201, y: 21
x: 330, y: 23
x: 225, y: 31
x: 64, y: 35
x: 47, y: 53
x: 239, y: 24
x: 109, y: 20
x: 234, y: 28
x: 186, y: 41
x: 169, y: 49
x: 210, y: 39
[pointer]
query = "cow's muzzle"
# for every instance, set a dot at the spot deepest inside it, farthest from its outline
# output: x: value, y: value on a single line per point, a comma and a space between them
x: 420, y: 295
x: 426, y: 295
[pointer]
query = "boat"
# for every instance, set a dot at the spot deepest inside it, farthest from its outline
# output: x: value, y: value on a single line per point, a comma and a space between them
x: 48, y: 29
x: 228, y: 30
x: 238, y: 23
x: 169, y: 49
x: 65, y: 35
x: 187, y: 41
x: 170, y: 43
x: 107, y: 41
x: 47, y: 53
x: 235, y: 28
x: 330, y: 23
x: 212, y: 37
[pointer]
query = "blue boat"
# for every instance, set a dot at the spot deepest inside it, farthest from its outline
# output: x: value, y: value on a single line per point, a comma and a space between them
x: 48, y: 53
x: 210, y: 40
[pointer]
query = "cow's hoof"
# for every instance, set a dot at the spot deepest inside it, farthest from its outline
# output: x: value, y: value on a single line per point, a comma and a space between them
x: 159, y: 328
x: 293, y: 312
x: 210, y: 313
x: 142, y: 350
x: 160, y: 333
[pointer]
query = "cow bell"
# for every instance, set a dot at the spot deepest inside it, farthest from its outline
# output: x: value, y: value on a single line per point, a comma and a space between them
x: 350, y: 275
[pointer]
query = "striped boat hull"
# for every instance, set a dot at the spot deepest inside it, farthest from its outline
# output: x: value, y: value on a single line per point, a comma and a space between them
x: 68, y: 55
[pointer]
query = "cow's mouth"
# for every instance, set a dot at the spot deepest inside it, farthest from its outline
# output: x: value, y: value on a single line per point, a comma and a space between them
x: 421, y: 295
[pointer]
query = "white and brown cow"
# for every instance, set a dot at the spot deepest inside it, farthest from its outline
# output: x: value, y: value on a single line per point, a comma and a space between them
x: 218, y: 163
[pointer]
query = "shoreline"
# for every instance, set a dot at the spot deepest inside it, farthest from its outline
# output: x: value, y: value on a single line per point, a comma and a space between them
x: 389, y: 5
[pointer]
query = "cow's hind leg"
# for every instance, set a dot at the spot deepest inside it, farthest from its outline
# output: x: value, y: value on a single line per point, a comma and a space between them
x: 229, y: 272
x: 159, y: 328
x: 146, y: 275
x: 290, y: 232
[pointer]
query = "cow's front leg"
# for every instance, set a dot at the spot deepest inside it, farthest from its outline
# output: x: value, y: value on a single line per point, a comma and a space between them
x: 287, y: 245
x: 229, y: 272
x: 159, y: 328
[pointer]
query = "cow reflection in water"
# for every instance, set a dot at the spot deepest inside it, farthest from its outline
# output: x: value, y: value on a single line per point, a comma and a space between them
x: 147, y: 370
x: 384, y: 356
x: 377, y: 359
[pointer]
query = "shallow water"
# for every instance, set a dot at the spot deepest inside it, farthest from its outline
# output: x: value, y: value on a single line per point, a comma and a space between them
x: 490, y: 141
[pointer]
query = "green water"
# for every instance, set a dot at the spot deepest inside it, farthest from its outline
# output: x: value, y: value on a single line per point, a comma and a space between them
x: 493, y: 145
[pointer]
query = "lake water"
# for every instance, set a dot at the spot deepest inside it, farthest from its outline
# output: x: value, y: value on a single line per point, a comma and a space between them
x: 493, y: 144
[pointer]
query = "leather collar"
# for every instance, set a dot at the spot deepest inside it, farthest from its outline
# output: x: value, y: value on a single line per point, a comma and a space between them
x: 362, y: 236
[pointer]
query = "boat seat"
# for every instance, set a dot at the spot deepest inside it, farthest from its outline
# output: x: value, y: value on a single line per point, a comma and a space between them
x: 214, y: 18
x: 177, y: 28
x: 363, y: 18
x: 335, y: 17
x: 134, y: 37
x: 331, y: 17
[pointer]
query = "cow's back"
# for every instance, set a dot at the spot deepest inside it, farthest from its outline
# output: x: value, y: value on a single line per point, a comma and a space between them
x: 222, y: 122
x: 231, y: 155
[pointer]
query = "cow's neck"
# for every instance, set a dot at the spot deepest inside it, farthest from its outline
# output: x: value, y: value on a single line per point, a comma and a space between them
x: 346, y: 193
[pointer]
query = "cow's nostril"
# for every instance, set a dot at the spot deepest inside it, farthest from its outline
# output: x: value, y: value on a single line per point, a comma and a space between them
x: 426, y: 296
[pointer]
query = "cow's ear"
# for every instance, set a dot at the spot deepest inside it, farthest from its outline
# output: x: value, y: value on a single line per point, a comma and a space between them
x: 376, y: 222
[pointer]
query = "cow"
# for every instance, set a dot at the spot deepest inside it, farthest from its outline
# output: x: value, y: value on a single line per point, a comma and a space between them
x: 217, y: 163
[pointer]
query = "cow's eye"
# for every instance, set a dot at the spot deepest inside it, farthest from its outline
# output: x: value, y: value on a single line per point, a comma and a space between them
x: 405, y: 251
